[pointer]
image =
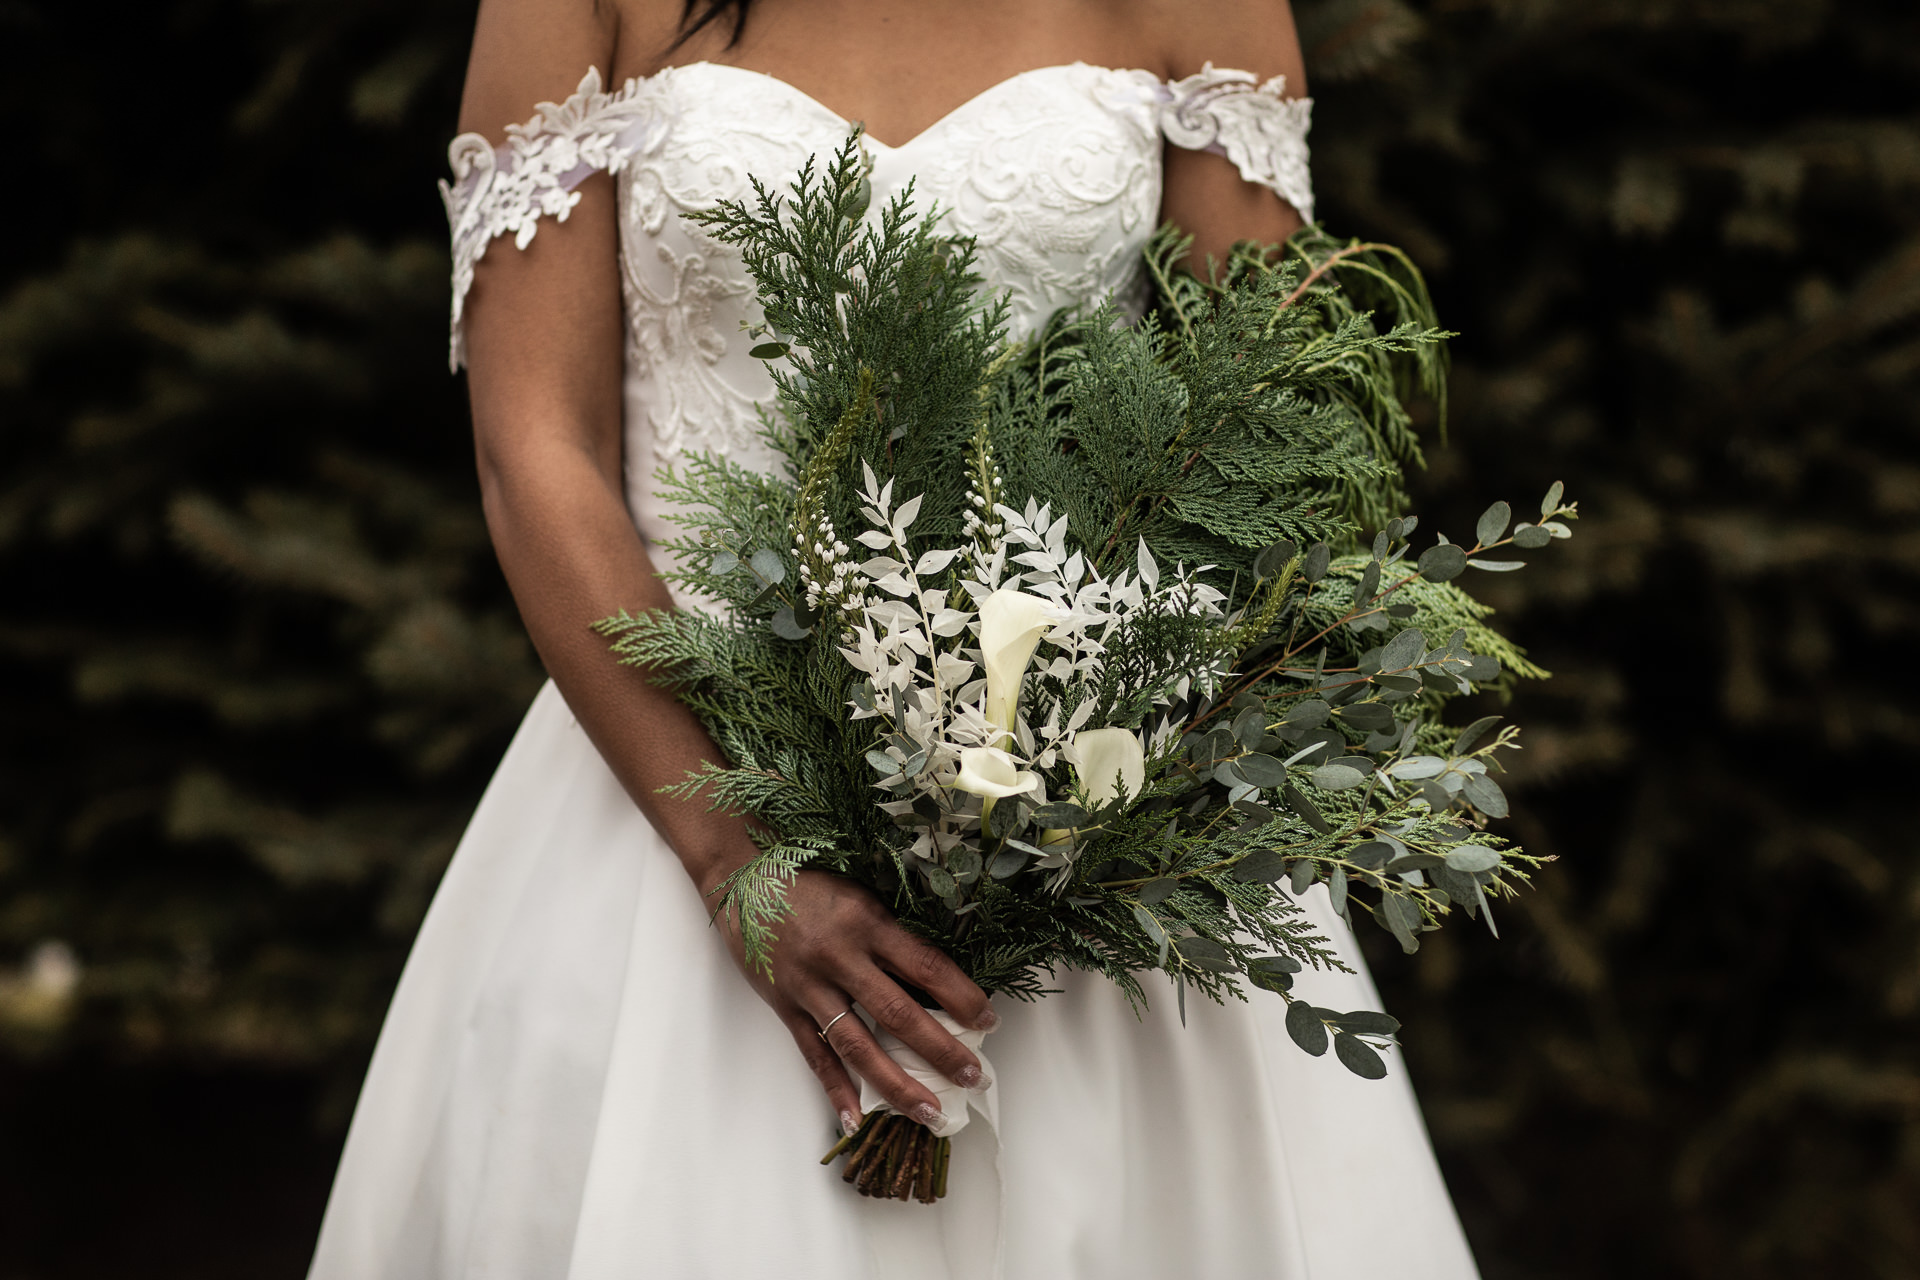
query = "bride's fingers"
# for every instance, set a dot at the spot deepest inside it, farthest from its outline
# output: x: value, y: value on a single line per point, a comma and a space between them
x: 934, y: 972
x: 842, y: 1092
x: 901, y: 1014
x: 856, y: 1046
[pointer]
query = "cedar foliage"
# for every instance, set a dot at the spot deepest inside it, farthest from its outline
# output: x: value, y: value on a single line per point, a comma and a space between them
x: 257, y: 663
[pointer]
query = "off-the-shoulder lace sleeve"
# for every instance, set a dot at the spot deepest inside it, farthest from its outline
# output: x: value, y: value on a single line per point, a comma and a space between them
x: 1230, y: 113
x: 533, y: 175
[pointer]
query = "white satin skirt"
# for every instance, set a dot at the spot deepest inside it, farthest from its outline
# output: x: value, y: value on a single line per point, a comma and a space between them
x: 574, y: 1082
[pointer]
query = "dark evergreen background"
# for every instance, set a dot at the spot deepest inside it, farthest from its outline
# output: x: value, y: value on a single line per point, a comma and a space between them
x: 257, y: 661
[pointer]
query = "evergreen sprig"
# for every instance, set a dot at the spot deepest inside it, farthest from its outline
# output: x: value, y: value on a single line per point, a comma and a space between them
x: 1246, y: 429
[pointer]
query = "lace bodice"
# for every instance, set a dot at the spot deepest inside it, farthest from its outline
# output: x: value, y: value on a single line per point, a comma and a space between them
x: 1055, y: 173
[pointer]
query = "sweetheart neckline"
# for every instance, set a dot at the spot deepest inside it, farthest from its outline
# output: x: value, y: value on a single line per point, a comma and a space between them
x: 977, y: 98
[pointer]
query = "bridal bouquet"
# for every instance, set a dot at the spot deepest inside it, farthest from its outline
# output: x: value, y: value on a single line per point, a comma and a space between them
x: 1096, y: 650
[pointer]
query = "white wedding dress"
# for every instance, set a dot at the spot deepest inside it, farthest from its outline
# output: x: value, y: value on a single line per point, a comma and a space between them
x: 574, y: 1081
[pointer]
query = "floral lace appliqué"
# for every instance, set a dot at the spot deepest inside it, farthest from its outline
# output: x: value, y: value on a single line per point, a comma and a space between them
x: 1254, y: 125
x: 510, y: 188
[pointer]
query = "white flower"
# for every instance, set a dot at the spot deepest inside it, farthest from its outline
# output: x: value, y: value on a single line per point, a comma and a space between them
x: 992, y: 774
x: 1107, y: 755
x: 1011, y: 623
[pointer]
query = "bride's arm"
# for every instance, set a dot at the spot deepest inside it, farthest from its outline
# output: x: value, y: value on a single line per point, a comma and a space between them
x: 1205, y: 194
x: 544, y: 351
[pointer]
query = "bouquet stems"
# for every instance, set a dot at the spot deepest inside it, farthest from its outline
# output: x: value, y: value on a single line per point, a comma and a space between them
x: 893, y: 1158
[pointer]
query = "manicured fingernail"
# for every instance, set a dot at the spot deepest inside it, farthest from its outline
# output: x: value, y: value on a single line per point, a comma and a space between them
x: 849, y: 1123
x: 989, y: 1021
x: 927, y: 1114
x: 971, y: 1078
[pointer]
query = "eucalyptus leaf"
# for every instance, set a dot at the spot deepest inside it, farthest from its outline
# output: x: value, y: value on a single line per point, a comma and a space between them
x: 1250, y: 726
x: 1273, y: 964
x: 786, y: 626
x: 1551, y: 503
x: 1298, y: 802
x: 1319, y: 556
x: 1531, y: 537
x: 1151, y: 927
x: 768, y: 350
x: 1007, y: 863
x: 1469, y: 858
x: 882, y: 762
x: 1061, y: 815
x: 1413, y: 768
x: 1372, y: 855
x: 768, y: 565
x: 1366, y: 1022
x: 941, y: 881
x: 1270, y: 980
x: 1403, y: 650
x: 1336, y: 777
x: 1206, y: 954
x: 1272, y: 560
x: 1368, y: 715
x: 1413, y: 862
x: 1472, y: 734
x: 1497, y: 566
x: 1358, y: 1057
x: 1309, y: 714
x: 1442, y: 563
x: 1262, y: 866
x: 723, y: 562
x: 1300, y: 876
x: 1460, y: 888
x: 1337, y: 889
x: 1401, y: 918
x: 1493, y: 523
x: 1155, y: 892
x: 1369, y: 582
x: 1305, y: 1026
x: 1484, y: 794
x: 1261, y: 770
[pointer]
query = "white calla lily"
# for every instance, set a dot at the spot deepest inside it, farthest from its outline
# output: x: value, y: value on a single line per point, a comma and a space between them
x: 1011, y: 624
x: 1107, y: 756
x: 992, y: 774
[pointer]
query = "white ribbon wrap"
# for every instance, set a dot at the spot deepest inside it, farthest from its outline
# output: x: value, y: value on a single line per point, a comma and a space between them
x: 953, y: 1099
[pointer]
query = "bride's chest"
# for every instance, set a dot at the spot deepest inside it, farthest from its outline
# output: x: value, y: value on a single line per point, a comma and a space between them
x: 1056, y: 175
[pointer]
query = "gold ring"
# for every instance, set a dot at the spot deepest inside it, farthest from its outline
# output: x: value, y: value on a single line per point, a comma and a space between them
x: 822, y: 1033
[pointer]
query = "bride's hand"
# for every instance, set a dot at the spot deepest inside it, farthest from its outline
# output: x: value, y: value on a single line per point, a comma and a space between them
x: 839, y: 945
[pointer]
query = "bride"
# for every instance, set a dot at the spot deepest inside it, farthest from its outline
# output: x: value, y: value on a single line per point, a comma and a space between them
x: 576, y: 1079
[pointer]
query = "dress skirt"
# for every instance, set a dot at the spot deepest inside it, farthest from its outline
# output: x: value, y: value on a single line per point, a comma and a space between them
x: 574, y: 1083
